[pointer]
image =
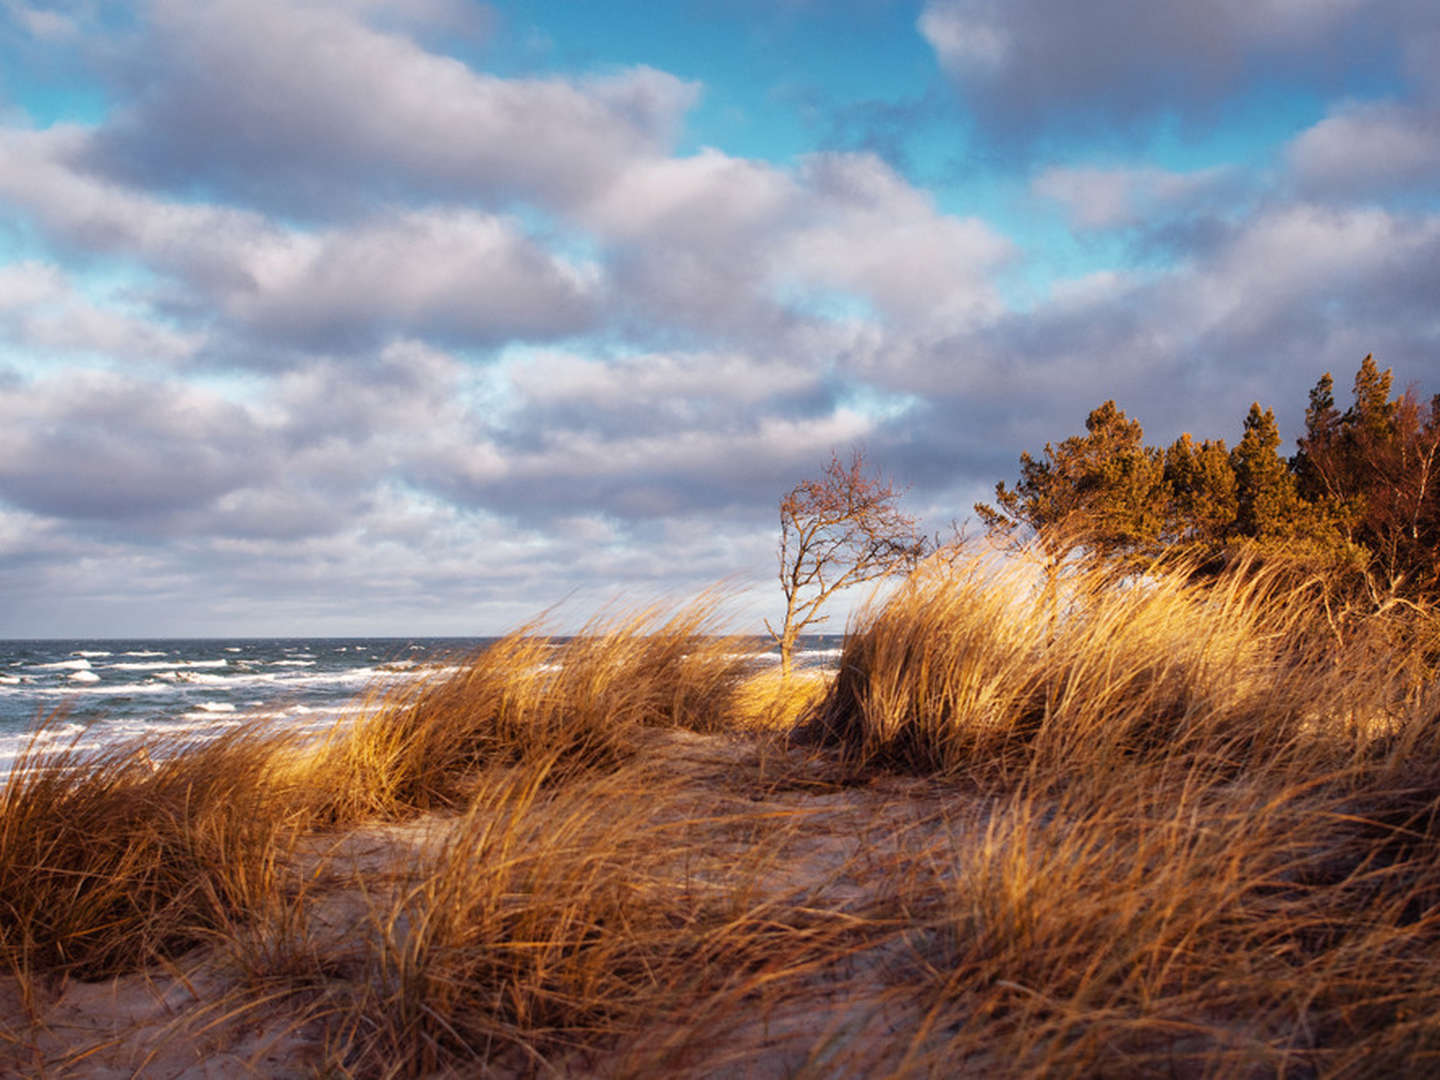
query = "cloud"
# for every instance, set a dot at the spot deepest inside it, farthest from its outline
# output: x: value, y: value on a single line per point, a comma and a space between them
x: 451, y: 275
x: 41, y: 22
x: 1031, y: 66
x: 307, y: 109
x: 718, y: 243
x: 95, y: 445
x: 41, y: 310
x: 458, y: 274
x: 1369, y: 149
x: 1107, y: 198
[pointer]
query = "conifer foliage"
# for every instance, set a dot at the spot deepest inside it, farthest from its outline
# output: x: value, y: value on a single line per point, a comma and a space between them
x: 1100, y: 487
x: 1360, y: 500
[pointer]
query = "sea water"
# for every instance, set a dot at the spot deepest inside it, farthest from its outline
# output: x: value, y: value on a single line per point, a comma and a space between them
x: 89, y: 693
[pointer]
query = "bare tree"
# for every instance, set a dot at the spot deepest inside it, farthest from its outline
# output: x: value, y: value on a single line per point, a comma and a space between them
x: 839, y: 530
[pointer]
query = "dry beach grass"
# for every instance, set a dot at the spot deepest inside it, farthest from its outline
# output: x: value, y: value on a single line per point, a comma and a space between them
x: 1166, y: 825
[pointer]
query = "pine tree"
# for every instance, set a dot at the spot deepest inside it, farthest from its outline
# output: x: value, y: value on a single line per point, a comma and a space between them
x: 1103, y: 491
x: 1359, y: 502
x: 1373, y: 414
x: 1265, y: 496
x: 1202, y: 487
x: 1315, y: 463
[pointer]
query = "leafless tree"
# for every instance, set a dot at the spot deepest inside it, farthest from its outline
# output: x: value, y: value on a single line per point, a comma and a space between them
x: 839, y: 530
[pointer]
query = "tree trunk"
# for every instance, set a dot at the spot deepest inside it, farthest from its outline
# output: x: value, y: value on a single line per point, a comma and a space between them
x: 787, y: 651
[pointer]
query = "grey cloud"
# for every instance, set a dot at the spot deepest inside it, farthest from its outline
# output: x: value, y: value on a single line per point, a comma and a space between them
x: 644, y: 474
x: 452, y: 275
x: 100, y: 446
x: 40, y: 309
x: 1369, y: 149
x: 656, y: 392
x: 238, y: 96
x: 721, y: 244
x: 1107, y: 198
x: 457, y: 274
x: 1031, y: 66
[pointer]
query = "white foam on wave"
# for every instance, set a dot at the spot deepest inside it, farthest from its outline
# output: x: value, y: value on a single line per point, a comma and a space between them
x: 292, y: 663
x: 63, y: 665
x: 50, y: 735
x: 233, y: 648
x: 144, y: 652
x: 83, y: 652
x: 152, y: 665
x: 10, y: 680
x: 76, y: 686
x: 215, y: 707
x: 84, y: 676
x: 200, y: 678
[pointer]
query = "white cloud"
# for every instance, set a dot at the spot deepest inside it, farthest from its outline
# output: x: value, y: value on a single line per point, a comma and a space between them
x: 1369, y: 148
x: 719, y: 240
x: 653, y: 381
x: 1105, y: 198
x: 42, y: 309
x: 453, y: 272
x: 966, y: 41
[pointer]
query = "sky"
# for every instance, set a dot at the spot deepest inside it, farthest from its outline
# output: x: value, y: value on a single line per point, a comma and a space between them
x: 406, y: 317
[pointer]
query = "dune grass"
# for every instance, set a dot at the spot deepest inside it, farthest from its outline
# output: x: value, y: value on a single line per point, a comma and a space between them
x: 110, y: 860
x: 1158, y: 825
x: 1214, y: 849
x: 987, y: 670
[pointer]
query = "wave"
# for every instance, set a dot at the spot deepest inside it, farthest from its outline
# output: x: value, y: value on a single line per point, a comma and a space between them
x: 83, y: 652
x: 97, y: 687
x: 62, y: 665
x: 84, y: 677
x: 152, y: 665
x: 200, y: 678
x: 145, y: 652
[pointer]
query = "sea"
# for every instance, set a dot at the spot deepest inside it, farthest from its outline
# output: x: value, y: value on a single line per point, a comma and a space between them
x: 88, y: 694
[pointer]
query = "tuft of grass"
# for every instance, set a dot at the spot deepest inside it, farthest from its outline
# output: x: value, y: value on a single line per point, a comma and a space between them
x: 114, y: 859
x: 768, y: 701
x: 552, y: 924
x: 986, y: 670
x: 575, y: 702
